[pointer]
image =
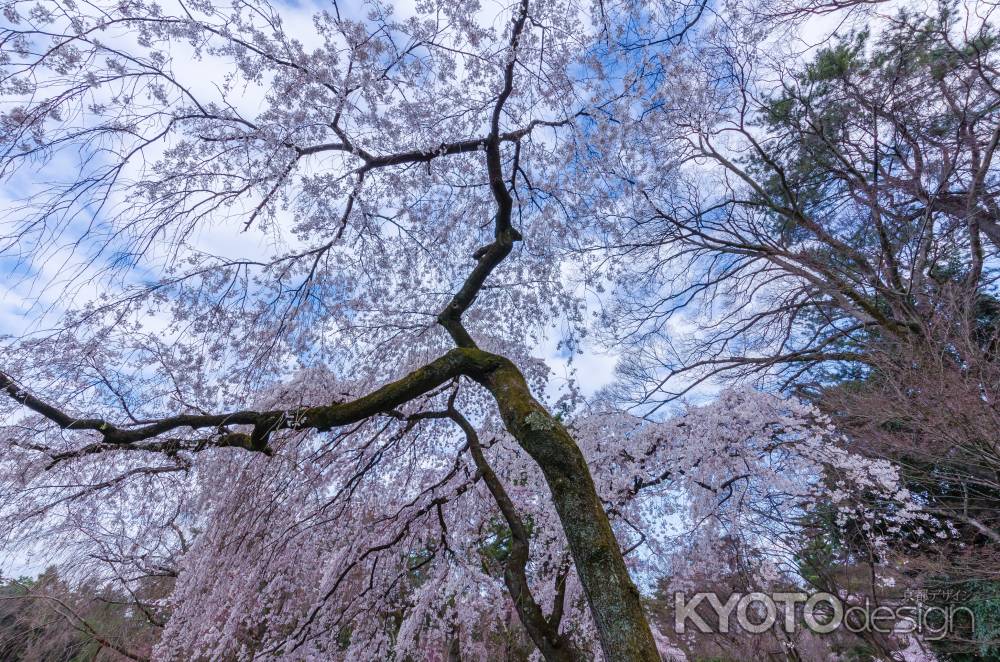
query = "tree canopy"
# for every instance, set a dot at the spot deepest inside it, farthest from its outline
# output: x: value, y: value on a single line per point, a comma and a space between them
x: 277, y: 389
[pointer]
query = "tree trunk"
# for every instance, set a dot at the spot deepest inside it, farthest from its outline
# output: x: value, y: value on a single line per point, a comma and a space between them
x: 613, y: 598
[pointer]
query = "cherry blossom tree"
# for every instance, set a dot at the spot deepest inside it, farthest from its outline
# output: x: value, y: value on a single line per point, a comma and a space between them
x: 378, y: 156
x: 300, y: 266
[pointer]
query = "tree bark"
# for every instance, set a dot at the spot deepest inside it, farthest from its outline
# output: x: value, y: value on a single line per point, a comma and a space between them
x: 613, y: 598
